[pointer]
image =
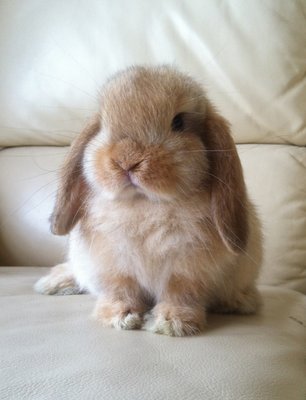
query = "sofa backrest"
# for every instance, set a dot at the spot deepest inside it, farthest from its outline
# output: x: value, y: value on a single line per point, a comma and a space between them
x: 249, y: 55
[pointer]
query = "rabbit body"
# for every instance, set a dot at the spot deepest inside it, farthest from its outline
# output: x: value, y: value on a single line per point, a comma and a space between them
x: 161, y: 227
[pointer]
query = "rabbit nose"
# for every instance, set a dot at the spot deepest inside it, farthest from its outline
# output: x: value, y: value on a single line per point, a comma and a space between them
x: 127, y: 166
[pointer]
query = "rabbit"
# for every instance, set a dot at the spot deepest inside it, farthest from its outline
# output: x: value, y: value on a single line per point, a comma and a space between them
x: 153, y: 196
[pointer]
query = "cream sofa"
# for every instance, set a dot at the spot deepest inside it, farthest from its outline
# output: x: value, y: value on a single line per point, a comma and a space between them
x: 251, y: 57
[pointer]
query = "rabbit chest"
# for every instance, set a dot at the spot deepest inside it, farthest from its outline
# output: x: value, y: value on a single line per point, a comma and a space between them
x: 145, y: 231
x: 141, y: 239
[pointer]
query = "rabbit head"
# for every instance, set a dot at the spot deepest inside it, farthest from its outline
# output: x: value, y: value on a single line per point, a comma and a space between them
x: 156, y: 136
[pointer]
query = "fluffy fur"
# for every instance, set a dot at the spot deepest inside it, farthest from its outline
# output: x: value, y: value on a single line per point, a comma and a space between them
x: 153, y: 195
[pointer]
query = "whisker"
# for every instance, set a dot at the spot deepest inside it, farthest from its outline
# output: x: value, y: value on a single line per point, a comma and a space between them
x: 70, y: 84
x: 77, y: 62
x: 21, y: 206
x: 36, y: 176
x: 207, y: 151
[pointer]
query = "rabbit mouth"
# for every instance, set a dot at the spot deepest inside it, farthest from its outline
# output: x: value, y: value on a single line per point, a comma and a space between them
x: 131, y: 184
x: 132, y: 179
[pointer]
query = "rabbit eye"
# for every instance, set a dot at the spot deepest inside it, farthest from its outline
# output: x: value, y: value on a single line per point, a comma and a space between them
x: 178, y: 123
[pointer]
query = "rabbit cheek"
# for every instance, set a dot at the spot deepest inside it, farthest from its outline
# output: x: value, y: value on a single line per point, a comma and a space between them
x: 108, y: 175
x: 157, y: 174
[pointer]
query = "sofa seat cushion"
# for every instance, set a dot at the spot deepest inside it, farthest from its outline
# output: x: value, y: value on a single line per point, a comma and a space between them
x: 275, y: 177
x: 51, y: 349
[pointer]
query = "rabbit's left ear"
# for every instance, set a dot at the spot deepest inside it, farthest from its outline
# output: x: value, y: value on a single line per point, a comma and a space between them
x: 229, y: 203
x: 73, y: 189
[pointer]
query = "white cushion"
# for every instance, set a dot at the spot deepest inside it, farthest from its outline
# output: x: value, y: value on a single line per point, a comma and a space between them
x: 50, y: 349
x: 275, y: 176
x: 55, y: 55
x: 276, y: 180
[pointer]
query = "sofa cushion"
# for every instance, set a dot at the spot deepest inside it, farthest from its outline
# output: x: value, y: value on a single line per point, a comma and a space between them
x: 28, y: 182
x: 55, y: 56
x: 51, y: 349
x: 275, y: 176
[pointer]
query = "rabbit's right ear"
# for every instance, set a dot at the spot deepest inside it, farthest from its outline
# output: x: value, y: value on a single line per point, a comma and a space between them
x: 229, y: 202
x: 73, y: 188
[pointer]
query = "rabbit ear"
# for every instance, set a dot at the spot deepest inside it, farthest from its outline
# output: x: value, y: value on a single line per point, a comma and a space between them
x: 229, y: 202
x: 72, y: 189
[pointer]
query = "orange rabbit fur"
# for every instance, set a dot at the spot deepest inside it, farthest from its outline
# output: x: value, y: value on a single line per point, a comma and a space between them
x: 153, y: 196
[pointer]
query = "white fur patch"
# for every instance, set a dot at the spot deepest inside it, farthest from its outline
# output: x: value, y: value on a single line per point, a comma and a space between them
x: 130, y: 321
x: 169, y: 327
x: 98, y: 141
x: 56, y: 285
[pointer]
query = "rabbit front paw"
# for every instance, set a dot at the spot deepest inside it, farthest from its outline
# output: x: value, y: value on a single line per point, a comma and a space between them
x: 117, y: 315
x: 172, y: 320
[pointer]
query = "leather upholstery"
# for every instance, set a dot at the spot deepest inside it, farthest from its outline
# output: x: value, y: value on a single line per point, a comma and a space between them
x: 250, y: 56
x: 274, y: 176
x: 50, y: 349
x: 55, y: 55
